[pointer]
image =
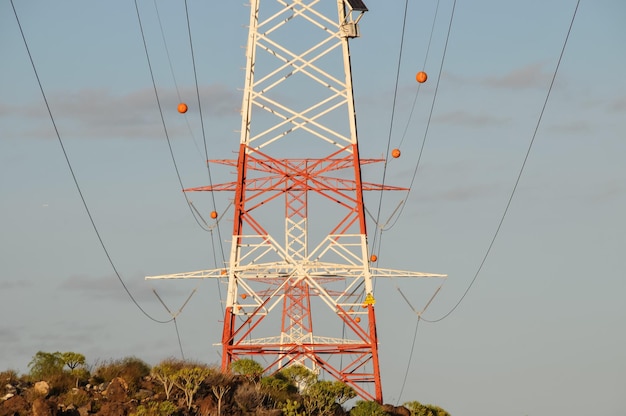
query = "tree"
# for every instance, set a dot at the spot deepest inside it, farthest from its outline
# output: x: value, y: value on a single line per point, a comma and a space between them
x: 418, y: 409
x: 249, y: 369
x: 291, y: 407
x: 278, y: 382
x: 278, y: 387
x: 45, y: 365
x: 323, y: 397
x: 72, y: 359
x: 367, y: 408
x: 188, y: 379
x: 300, y: 376
x: 75, y: 362
x: 165, y: 373
x: 221, y: 383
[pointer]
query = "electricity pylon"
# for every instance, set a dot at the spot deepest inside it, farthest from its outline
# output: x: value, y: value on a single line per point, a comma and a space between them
x: 300, y: 274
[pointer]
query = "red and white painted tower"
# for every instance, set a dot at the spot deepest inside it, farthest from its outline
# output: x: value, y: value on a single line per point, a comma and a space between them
x: 300, y: 274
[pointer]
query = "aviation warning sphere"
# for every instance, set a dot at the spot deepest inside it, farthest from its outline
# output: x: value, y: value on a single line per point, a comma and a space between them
x: 421, y: 77
x: 182, y: 108
x: 395, y: 153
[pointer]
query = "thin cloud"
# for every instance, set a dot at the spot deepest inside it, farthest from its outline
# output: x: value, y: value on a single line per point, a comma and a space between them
x: 99, y: 113
x: 466, y: 118
x: 461, y: 194
x: 15, y: 284
x: 63, y: 333
x: 618, y: 105
x: 607, y: 192
x: 109, y: 287
x: 529, y: 76
x: 572, y: 127
x: 9, y: 336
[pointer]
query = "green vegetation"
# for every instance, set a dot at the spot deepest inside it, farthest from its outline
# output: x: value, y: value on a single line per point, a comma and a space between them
x: 50, y: 367
x: 63, y: 382
x: 46, y: 365
x: 155, y: 409
x: 418, y: 409
x: 367, y: 408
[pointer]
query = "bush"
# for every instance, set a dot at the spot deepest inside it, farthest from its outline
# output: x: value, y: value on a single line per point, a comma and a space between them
x: 61, y: 383
x: 418, y: 409
x: 9, y: 377
x: 155, y: 409
x: 278, y: 388
x: 367, y: 408
x: 45, y: 365
x: 131, y: 369
x: 248, y: 398
x: 76, y: 398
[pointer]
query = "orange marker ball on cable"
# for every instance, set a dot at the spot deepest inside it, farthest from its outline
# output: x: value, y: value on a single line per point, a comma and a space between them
x: 421, y: 77
x: 395, y: 153
x: 182, y: 108
x: 214, y: 214
x: 373, y: 258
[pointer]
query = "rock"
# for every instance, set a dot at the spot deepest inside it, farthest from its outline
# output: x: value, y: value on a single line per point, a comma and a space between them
x: 85, y: 410
x: 206, y: 406
x: 69, y: 412
x: 143, y: 394
x: 117, y: 390
x: 42, y: 408
x: 6, y: 397
x: 269, y: 412
x: 112, y: 409
x: 396, y: 410
x: 16, y: 405
x: 42, y: 388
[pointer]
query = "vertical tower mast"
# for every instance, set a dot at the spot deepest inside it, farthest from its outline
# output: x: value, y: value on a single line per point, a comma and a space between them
x: 299, y: 279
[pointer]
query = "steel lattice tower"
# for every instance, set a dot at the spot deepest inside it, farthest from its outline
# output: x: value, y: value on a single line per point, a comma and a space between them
x: 299, y: 275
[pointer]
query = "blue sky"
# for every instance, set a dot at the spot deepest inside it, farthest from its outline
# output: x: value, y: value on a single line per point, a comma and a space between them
x: 542, y: 329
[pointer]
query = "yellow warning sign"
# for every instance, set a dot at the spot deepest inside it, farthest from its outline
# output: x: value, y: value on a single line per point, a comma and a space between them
x: 369, y: 300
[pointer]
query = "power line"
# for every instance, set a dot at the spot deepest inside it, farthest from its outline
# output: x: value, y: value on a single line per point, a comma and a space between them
x: 393, y: 110
x: 408, y: 364
x: 519, y: 175
x: 197, y: 217
x: 206, y: 151
x: 419, y: 314
x: 156, y: 93
x: 430, y: 41
x: 171, y: 66
x: 69, y: 164
x: 430, y: 115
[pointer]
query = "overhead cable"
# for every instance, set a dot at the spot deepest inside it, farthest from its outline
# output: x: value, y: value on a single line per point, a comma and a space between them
x: 519, y: 175
x: 69, y: 164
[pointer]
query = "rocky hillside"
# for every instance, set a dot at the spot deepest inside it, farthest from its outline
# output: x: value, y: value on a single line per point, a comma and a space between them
x: 130, y: 387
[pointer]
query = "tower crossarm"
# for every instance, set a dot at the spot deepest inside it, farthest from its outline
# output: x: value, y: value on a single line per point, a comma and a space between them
x: 314, y: 174
x: 200, y: 274
x: 378, y: 272
x: 346, y: 163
